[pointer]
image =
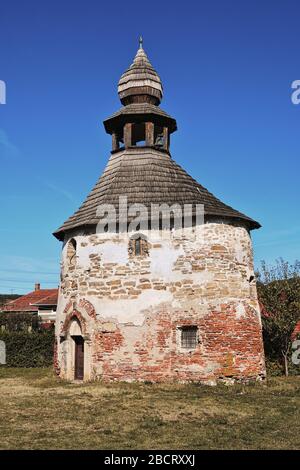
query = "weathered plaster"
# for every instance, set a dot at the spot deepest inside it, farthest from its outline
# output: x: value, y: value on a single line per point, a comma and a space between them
x: 131, y: 307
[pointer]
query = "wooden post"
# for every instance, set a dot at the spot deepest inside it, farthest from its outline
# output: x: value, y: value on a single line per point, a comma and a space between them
x: 128, y: 134
x: 115, y: 141
x: 166, y: 138
x: 149, y: 133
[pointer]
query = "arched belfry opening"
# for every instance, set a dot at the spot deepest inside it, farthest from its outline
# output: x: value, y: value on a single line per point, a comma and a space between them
x: 138, y: 134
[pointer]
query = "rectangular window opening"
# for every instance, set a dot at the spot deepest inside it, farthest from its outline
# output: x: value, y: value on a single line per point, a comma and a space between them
x: 189, y: 337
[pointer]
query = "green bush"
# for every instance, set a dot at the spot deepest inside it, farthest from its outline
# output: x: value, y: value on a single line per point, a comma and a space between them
x: 13, y: 321
x: 274, y: 367
x: 24, y: 349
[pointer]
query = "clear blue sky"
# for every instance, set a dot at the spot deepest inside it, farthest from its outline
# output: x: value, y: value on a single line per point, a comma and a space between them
x: 227, y: 68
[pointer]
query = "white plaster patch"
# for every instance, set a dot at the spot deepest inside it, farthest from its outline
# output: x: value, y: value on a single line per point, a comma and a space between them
x: 84, y: 253
x: 193, y: 368
x: 240, y: 311
x: 60, y: 316
x: 239, y: 251
x: 203, y: 276
x: 130, y: 310
x: 74, y: 328
x: 114, y: 252
x: 163, y: 259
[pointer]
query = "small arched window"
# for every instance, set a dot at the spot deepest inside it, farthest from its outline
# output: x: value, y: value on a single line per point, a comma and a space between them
x: 138, y: 246
x: 71, y: 252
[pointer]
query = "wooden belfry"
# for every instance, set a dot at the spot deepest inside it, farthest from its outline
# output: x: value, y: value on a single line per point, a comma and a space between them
x: 141, y: 156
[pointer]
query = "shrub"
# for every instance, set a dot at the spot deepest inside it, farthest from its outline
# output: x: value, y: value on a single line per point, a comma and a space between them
x: 24, y: 349
x: 12, y: 321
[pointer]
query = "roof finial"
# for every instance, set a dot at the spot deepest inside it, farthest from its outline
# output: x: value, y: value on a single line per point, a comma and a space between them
x: 141, y: 42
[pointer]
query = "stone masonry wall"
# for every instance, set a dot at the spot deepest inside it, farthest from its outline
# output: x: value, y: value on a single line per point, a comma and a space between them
x: 131, y: 308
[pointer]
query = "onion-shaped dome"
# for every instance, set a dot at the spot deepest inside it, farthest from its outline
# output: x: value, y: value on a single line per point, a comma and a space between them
x: 140, y: 83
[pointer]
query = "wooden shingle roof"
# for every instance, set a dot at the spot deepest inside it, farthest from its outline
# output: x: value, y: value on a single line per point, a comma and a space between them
x: 132, y: 112
x: 140, y: 78
x: 147, y: 175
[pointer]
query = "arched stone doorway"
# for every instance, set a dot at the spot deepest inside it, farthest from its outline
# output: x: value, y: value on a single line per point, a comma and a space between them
x: 75, y: 346
x: 78, y: 349
x: 74, y: 349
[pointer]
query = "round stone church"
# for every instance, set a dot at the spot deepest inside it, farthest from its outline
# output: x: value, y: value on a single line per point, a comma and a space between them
x: 145, y: 300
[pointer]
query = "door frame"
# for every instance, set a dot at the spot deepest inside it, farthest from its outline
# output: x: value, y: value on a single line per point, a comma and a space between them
x: 78, y: 355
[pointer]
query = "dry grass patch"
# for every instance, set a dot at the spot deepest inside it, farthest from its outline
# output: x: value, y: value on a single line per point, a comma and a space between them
x: 38, y: 411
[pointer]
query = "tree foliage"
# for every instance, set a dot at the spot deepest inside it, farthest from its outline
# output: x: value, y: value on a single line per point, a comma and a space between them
x: 279, y: 293
x: 4, y: 298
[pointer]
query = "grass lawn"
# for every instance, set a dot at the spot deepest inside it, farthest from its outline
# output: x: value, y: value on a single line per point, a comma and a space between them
x: 38, y: 411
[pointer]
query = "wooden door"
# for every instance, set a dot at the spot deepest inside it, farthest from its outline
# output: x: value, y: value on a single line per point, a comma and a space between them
x: 79, y: 357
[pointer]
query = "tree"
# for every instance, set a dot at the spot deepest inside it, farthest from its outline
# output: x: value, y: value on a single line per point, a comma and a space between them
x: 279, y: 293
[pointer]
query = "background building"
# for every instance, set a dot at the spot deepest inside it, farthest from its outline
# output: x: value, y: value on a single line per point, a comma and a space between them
x: 42, y: 302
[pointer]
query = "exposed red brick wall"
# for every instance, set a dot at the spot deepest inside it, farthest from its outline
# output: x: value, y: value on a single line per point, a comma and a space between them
x: 229, y: 348
x: 130, y: 312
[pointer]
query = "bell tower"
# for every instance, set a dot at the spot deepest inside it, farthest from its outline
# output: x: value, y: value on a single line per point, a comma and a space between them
x: 140, y: 122
x: 161, y: 305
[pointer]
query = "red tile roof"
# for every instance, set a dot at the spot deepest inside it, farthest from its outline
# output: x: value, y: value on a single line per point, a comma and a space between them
x: 296, y: 331
x: 28, y: 302
x: 50, y: 299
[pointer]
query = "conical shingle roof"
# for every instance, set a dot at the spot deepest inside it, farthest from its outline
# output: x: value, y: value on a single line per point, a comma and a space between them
x: 140, y: 80
x: 148, y: 176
